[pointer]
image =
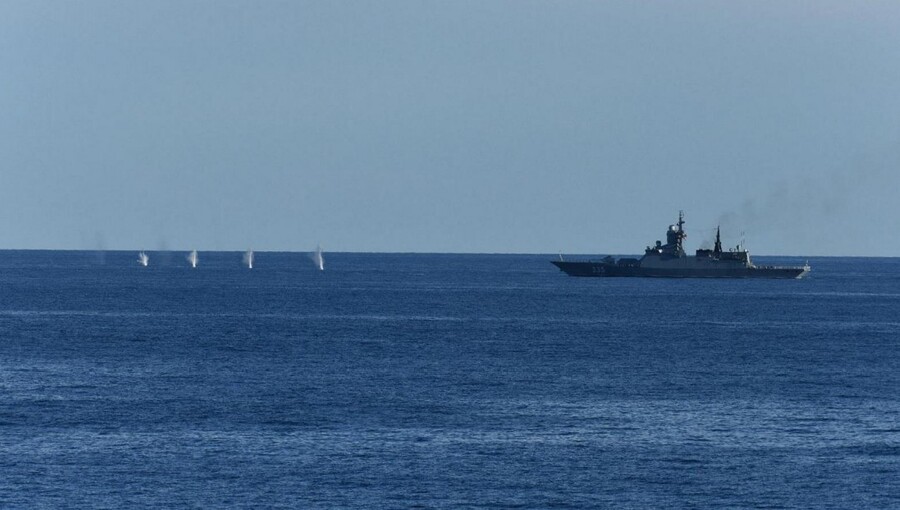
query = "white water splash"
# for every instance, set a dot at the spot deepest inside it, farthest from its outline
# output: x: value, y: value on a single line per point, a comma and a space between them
x: 248, y: 259
x: 193, y: 258
x: 317, y: 258
x: 143, y: 259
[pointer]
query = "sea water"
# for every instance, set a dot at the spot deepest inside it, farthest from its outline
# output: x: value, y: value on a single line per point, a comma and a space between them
x: 443, y: 381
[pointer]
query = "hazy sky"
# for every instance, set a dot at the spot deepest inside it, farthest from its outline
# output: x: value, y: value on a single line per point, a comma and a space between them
x: 460, y: 126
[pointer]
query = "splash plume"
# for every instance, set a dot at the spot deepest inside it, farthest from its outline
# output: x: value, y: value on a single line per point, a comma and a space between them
x: 317, y: 258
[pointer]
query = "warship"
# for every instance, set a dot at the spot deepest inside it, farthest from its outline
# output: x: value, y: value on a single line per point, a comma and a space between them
x: 670, y: 261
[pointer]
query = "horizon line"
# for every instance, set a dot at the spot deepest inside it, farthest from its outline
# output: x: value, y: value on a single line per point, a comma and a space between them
x: 357, y: 252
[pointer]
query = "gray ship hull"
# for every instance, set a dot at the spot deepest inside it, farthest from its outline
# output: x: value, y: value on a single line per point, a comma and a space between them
x: 670, y: 261
x: 604, y: 269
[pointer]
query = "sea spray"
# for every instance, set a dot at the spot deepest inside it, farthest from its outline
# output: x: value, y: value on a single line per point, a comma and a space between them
x: 317, y: 258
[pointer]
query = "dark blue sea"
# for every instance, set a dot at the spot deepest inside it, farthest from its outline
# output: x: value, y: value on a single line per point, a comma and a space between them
x: 442, y: 381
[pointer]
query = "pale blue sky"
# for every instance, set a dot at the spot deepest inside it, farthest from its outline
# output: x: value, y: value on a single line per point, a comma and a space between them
x: 452, y: 126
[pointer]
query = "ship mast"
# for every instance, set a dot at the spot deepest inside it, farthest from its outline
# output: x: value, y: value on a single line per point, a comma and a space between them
x: 680, y: 235
x: 718, y: 248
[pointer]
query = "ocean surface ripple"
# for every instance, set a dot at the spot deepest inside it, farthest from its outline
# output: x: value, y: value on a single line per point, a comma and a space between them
x: 443, y: 381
